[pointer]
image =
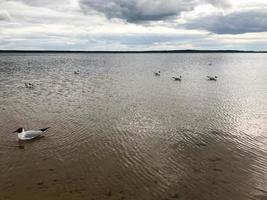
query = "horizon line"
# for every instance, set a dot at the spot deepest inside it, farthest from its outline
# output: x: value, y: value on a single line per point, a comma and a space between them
x: 134, y: 51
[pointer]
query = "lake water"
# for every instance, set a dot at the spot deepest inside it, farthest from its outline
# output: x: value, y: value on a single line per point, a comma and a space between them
x: 117, y: 131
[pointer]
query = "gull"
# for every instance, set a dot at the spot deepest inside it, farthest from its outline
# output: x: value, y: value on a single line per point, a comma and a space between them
x: 157, y: 73
x: 77, y: 72
x: 210, y: 78
x: 30, y: 134
x: 177, y: 78
x: 28, y: 85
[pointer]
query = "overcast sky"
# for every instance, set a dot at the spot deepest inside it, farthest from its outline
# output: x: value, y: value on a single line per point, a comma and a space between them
x: 133, y: 24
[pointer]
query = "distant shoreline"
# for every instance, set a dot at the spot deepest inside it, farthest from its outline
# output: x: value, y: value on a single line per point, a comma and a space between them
x: 152, y: 51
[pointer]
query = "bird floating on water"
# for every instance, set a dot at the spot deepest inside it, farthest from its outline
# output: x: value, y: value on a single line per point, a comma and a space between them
x: 210, y: 78
x: 29, y: 85
x: 30, y: 134
x: 157, y: 73
x: 77, y: 72
x: 177, y: 78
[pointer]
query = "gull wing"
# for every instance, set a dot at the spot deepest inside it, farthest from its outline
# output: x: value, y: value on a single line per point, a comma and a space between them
x: 32, y: 134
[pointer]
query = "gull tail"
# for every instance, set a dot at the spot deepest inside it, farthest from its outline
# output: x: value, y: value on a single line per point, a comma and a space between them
x: 44, y: 129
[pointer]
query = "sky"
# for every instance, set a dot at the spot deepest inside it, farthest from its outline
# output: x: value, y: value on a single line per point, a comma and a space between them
x: 133, y: 24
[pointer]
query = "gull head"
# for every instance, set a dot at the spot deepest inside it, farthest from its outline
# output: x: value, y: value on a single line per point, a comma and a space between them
x: 19, y: 130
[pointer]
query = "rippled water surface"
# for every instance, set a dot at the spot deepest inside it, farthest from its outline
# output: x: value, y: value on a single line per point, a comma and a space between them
x: 119, y: 132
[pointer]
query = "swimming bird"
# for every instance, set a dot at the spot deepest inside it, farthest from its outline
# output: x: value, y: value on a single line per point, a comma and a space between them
x: 77, y: 72
x: 210, y: 78
x: 157, y: 73
x: 177, y: 78
x: 29, y: 85
x: 30, y: 134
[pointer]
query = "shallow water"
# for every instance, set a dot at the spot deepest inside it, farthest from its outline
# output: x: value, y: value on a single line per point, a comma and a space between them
x: 119, y: 132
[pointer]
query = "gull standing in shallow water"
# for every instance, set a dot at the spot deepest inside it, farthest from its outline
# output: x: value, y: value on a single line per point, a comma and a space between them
x: 29, y: 135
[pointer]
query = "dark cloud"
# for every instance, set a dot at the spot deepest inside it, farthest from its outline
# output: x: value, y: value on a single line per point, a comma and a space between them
x: 4, y: 16
x: 219, y: 3
x: 137, y: 11
x: 235, y: 23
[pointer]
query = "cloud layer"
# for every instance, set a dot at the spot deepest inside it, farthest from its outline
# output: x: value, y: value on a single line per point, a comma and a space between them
x: 136, y: 11
x: 133, y: 24
x: 250, y: 21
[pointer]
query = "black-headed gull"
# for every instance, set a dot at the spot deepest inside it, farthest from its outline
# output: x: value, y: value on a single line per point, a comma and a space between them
x: 29, y: 85
x: 157, y: 73
x: 177, y: 78
x: 31, y: 134
x: 210, y: 78
x: 77, y: 72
